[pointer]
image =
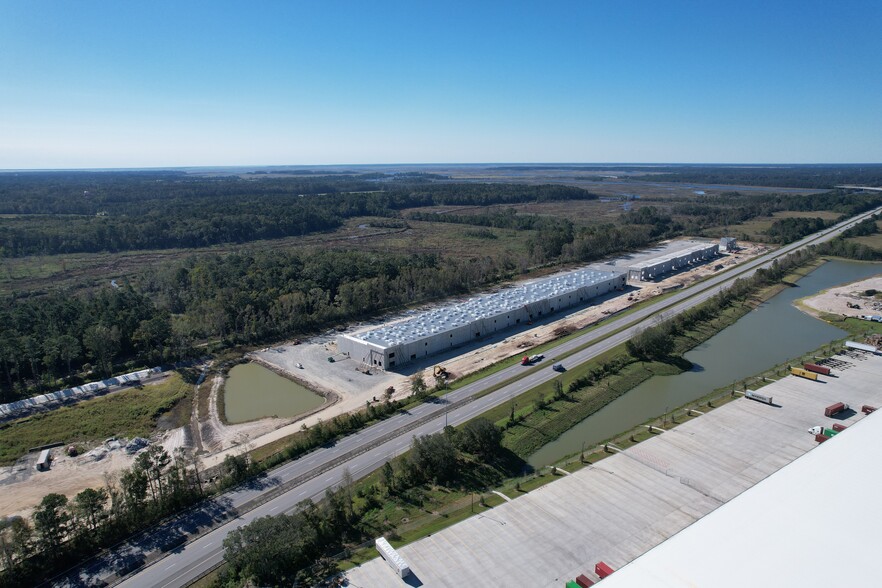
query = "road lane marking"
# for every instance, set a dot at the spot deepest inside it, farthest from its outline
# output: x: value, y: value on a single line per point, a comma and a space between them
x: 209, y: 545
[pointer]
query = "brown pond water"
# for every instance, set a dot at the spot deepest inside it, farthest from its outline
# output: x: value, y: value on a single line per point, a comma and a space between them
x: 253, y: 392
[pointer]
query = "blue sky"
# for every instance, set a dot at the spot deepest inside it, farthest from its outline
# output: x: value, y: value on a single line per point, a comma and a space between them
x: 153, y: 84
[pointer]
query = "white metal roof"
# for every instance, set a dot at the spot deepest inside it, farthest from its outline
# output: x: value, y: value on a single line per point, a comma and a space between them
x: 814, y: 522
x: 451, y: 316
x: 674, y: 255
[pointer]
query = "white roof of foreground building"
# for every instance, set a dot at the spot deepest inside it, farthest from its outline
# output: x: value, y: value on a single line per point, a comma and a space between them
x: 812, y: 523
x: 455, y: 315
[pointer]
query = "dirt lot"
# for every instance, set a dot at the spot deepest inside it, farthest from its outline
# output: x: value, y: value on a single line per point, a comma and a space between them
x: 837, y: 300
x: 22, y: 486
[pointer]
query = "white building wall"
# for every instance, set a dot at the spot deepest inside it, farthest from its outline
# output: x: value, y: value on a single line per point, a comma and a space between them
x: 396, y: 355
x: 655, y: 268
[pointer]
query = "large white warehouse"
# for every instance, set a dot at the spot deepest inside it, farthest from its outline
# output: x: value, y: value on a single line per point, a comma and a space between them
x: 658, y: 266
x: 456, y: 324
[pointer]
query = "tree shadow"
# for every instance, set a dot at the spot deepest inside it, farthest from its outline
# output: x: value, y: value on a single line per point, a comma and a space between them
x: 681, y: 363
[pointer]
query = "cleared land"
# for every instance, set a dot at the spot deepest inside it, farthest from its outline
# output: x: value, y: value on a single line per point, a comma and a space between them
x: 128, y: 413
x: 626, y: 504
x: 836, y: 300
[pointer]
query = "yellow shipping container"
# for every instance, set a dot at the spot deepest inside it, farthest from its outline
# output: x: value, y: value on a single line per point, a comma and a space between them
x: 804, y: 373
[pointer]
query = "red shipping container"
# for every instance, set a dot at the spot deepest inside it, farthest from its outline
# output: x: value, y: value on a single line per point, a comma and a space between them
x: 584, y: 581
x: 602, y: 570
x: 818, y: 369
x: 833, y: 409
x: 837, y: 427
x: 867, y: 409
x: 821, y: 438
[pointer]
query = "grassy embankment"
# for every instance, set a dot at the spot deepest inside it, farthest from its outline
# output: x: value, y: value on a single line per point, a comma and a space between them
x: 534, y: 426
x: 127, y: 413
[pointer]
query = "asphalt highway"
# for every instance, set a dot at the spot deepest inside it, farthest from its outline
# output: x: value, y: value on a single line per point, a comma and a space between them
x: 308, y: 477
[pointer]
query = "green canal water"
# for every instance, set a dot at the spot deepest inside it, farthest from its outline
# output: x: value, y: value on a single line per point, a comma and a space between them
x: 253, y: 392
x: 773, y: 333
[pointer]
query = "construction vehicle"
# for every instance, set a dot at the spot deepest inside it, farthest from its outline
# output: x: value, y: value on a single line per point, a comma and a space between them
x: 440, y: 372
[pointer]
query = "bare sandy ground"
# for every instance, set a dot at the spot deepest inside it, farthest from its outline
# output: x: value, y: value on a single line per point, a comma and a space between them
x: 346, y: 384
x: 836, y: 300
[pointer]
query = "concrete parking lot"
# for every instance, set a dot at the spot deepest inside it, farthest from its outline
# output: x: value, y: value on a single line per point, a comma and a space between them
x: 626, y: 504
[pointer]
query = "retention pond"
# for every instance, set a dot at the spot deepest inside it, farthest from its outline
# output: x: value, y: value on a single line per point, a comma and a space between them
x: 773, y: 333
x: 253, y: 392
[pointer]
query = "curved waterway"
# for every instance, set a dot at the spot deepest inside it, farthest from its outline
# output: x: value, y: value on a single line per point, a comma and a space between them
x: 773, y: 333
x: 253, y: 392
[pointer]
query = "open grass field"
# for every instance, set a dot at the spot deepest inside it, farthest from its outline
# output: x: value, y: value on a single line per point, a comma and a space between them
x: 127, y: 413
x: 584, y: 212
x: 462, y: 241
x: 874, y: 241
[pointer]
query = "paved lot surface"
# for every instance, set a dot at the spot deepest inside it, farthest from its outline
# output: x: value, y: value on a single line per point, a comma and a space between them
x: 630, y: 502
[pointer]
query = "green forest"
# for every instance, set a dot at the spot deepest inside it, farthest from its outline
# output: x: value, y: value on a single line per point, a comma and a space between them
x: 45, y: 215
x: 201, y: 302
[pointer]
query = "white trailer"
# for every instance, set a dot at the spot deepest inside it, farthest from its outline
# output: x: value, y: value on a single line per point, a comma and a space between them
x: 758, y: 397
x: 43, y: 461
x: 392, y: 557
x: 860, y: 346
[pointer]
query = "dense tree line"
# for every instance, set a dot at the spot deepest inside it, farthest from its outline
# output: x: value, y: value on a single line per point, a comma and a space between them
x: 866, y: 227
x: 244, y: 297
x: 732, y: 208
x: 166, y: 211
x: 788, y: 230
x: 46, y: 338
x: 293, y: 549
x: 841, y: 247
x: 794, y: 176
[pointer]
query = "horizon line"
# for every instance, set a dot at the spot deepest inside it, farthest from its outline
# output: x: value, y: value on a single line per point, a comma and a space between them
x: 427, y: 164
